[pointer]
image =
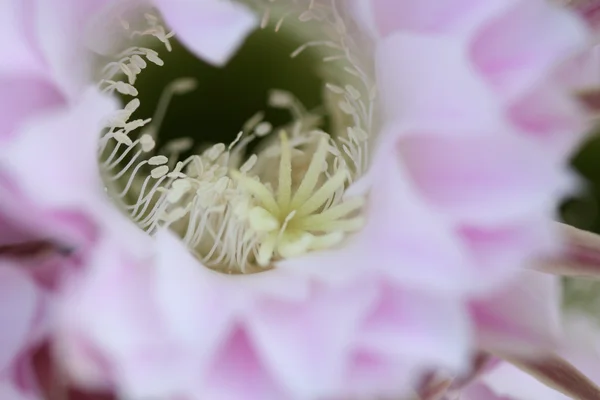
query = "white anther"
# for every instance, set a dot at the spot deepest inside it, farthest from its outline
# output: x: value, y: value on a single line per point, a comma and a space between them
x: 215, y: 151
x: 122, y: 138
x: 334, y: 88
x: 125, y: 88
x: 280, y: 99
x: 132, y: 105
x: 183, y: 85
x: 250, y: 162
x: 147, y: 143
x: 178, y: 189
x: 346, y: 108
x: 179, y: 145
x: 158, y: 160
x: 138, y: 61
x: 357, y: 134
x: 253, y: 121
x: 263, y: 129
x: 306, y: 16
x: 176, y: 214
x: 153, y: 57
x: 133, y: 125
x: 159, y: 172
x: 353, y: 92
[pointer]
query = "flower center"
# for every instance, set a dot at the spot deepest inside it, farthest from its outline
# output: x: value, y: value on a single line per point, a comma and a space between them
x: 272, y: 187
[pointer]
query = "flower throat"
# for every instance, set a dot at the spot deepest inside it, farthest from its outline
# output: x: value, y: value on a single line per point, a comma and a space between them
x: 247, y: 164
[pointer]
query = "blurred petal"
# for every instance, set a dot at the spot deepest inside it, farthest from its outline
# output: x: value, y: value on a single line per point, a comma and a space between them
x: 17, y: 41
x: 305, y: 344
x: 18, y: 307
x: 581, y: 256
x: 416, y: 91
x: 212, y: 29
x: 523, y: 318
x: 509, y: 53
x: 65, y: 142
x: 483, y: 180
x: 22, y: 97
x: 560, y: 375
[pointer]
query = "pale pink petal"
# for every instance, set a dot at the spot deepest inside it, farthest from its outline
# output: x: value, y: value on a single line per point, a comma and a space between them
x: 136, y: 351
x: 416, y: 91
x: 401, y: 226
x: 10, y: 392
x: 522, y: 318
x: 11, y: 232
x: 22, y: 97
x: 238, y: 373
x: 18, y: 308
x: 371, y: 375
x: 589, y: 10
x: 511, y: 382
x: 485, y: 180
x: 428, y: 15
x: 113, y: 290
x: 25, y: 217
x: 105, y: 34
x: 548, y: 115
x: 420, y: 328
x: 17, y: 44
x: 190, y: 297
x: 58, y: 30
x: 212, y: 29
x: 481, y: 392
x: 502, y: 251
x: 581, y: 255
x: 511, y: 55
x: 305, y: 344
x: 65, y: 142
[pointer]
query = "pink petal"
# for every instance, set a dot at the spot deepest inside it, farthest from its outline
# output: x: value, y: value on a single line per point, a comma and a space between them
x: 65, y: 142
x: 551, y: 116
x: 10, y: 392
x: 190, y: 297
x: 523, y: 318
x: 425, y: 16
x: 481, y: 392
x: 560, y: 375
x: 104, y: 32
x: 581, y: 256
x: 26, y: 219
x: 11, y: 233
x: 305, y: 344
x: 501, y: 251
x: 484, y: 179
x: 507, y: 380
x: 402, y: 229
x: 17, y: 42
x: 423, y: 329
x: 22, y: 97
x: 371, y: 376
x: 112, y: 329
x: 18, y: 307
x: 238, y: 373
x: 416, y: 91
x: 58, y: 30
x: 511, y: 55
x: 211, y: 29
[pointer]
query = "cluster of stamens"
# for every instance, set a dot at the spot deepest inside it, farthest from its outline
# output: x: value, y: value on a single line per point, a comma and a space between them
x: 238, y: 212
